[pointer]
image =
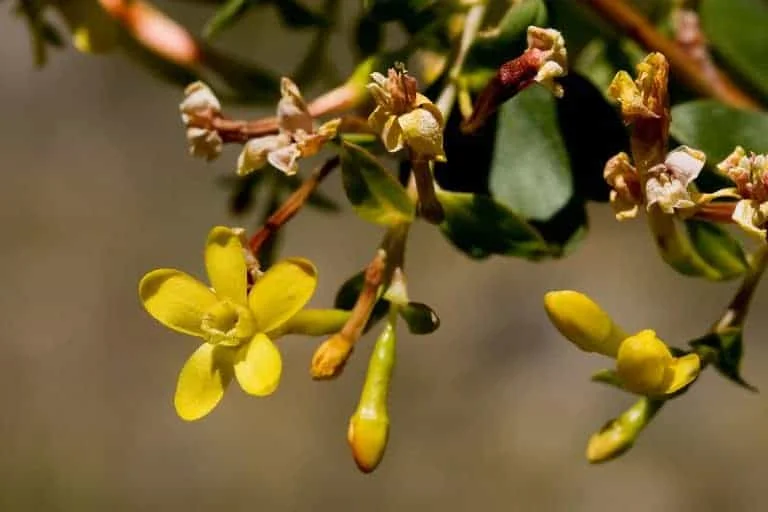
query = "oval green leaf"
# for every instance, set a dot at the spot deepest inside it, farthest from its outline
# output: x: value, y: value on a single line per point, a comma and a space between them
x: 374, y: 193
x: 718, y: 248
x: 479, y: 226
x: 736, y: 31
x: 530, y: 170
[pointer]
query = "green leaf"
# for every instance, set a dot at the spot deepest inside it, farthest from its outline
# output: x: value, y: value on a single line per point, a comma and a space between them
x: 374, y: 193
x: 226, y: 16
x: 530, y: 171
x: 736, y: 31
x: 494, y: 47
x: 724, y: 349
x: 718, y: 248
x: 347, y: 295
x: 420, y: 318
x: 716, y: 129
x: 480, y: 227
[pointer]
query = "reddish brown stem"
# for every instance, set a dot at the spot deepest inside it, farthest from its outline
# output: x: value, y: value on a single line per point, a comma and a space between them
x: 291, y: 206
x: 634, y: 25
x: 716, y: 212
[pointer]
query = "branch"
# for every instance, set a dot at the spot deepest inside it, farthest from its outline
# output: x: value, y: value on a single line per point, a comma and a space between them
x: 713, y: 83
x: 292, y: 205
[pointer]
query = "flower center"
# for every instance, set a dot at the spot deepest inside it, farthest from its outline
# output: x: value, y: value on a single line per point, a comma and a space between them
x: 228, y: 324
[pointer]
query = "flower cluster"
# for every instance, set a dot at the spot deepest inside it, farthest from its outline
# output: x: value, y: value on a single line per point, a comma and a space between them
x: 297, y: 136
x: 750, y: 174
x: 199, y: 100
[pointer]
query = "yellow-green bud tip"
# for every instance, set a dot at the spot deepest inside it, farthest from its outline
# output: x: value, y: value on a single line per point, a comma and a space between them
x: 367, y: 436
x: 583, y: 322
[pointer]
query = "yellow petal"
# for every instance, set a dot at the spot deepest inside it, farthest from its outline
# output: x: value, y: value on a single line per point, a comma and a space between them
x: 642, y: 363
x: 313, y: 322
x: 202, y: 381
x: 281, y: 292
x: 258, y: 366
x: 225, y: 262
x: 392, y: 135
x: 583, y: 322
x: 176, y: 300
x: 681, y: 372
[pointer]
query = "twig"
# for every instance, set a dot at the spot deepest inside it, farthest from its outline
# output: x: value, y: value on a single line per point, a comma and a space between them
x: 626, y: 18
x: 291, y: 205
x: 471, y: 27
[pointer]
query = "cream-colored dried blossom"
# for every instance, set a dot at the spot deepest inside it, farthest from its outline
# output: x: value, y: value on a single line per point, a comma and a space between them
x: 554, y: 56
x: 750, y: 174
x: 752, y: 217
x: 403, y: 117
x: 667, y: 184
x: 204, y: 143
x: 626, y: 193
x: 646, y: 96
x: 296, y: 138
x: 199, y: 100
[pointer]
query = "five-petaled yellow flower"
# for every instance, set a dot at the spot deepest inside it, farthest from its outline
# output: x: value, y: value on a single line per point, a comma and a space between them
x: 234, y: 324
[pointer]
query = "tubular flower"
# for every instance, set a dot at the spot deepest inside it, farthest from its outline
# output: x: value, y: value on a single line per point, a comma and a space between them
x: 296, y: 138
x: 199, y: 99
x: 235, y: 325
x: 750, y: 174
x: 404, y: 117
x: 644, y: 364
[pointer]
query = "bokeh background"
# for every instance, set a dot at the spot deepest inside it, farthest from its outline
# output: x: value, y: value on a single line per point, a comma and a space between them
x: 492, y: 412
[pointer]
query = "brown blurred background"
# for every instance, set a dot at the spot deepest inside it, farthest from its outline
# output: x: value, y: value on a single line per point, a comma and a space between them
x: 492, y: 412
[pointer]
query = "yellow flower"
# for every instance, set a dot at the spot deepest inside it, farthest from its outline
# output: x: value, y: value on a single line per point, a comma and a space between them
x: 647, y: 367
x: 235, y: 325
x: 404, y: 117
x: 644, y: 363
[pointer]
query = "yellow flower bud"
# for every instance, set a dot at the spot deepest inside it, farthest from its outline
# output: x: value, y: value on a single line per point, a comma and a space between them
x: 369, y: 426
x: 646, y: 366
x: 330, y: 357
x: 583, y: 322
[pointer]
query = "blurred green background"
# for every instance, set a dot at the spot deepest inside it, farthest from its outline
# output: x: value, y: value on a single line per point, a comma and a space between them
x: 492, y: 412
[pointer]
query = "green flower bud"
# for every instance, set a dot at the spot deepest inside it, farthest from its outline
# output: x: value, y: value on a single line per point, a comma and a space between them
x: 583, y: 322
x: 619, y: 434
x: 369, y: 425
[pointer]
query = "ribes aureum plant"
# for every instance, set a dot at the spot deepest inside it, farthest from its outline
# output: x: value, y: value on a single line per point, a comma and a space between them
x: 520, y: 113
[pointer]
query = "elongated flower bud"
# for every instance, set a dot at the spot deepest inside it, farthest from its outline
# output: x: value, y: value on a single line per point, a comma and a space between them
x: 583, y: 322
x: 619, y: 434
x: 369, y: 425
